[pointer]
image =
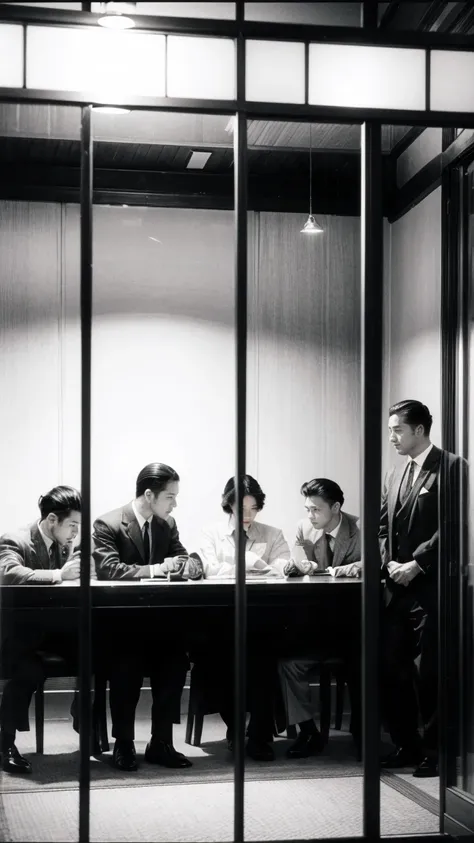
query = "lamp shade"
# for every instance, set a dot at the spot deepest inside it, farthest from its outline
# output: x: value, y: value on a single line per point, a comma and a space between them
x: 311, y: 226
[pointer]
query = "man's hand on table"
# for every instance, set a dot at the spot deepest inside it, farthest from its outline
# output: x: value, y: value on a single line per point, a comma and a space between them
x: 403, y: 572
x: 71, y: 570
x: 297, y: 568
x: 189, y: 567
x: 354, y: 569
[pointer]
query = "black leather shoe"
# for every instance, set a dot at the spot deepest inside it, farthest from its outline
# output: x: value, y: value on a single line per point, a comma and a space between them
x: 124, y: 756
x: 13, y: 762
x: 401, y: 757
x: 260, y: 750
x: 306, y: 745
x: 427, y: 769
x: 159, y: 752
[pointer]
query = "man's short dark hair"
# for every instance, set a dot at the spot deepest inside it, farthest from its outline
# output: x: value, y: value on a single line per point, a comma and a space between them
x: 412, y: 413
x: 323, y: 488
x: 155, y: 477
x: 61, y: 500
x: 250, y: 487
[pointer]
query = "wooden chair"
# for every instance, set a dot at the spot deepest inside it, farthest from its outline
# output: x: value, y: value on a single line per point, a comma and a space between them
x: 56, y: 666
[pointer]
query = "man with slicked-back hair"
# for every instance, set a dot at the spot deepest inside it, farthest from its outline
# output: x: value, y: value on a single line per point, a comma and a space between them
x: 140, y: 541
x: 409, y: 545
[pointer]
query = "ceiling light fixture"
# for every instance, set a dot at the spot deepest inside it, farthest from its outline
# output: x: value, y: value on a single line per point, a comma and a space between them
x: 116, y: 15
x: 311, y: 226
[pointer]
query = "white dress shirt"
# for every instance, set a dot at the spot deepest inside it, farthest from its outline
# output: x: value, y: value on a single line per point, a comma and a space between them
x: 419, y: 460
x: 265, y: 544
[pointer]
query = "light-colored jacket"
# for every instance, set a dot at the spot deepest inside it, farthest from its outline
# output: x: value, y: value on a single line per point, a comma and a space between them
x: 217, y: 549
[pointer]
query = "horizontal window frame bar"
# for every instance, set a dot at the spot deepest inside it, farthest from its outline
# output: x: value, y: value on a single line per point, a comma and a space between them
x: 259, y: 30
x: 252, y: 110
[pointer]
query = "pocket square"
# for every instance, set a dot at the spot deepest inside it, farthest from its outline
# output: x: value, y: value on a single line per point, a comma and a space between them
x: 423, y: 491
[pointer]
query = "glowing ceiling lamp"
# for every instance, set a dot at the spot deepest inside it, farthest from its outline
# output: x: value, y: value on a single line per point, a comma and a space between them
x: 311, y: 226
x: 116, y: 15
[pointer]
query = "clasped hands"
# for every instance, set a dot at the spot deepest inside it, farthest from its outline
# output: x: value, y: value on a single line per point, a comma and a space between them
x: 188, y: 567
x: 403, y: 572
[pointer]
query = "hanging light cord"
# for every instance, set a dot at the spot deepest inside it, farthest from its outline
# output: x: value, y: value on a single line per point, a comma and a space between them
x: 310, y: 176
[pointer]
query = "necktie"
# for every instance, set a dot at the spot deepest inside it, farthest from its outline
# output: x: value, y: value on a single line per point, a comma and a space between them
x: 146, y: 541
x: 53, y: 555
x: 325, y: 554
x: 407, y: 482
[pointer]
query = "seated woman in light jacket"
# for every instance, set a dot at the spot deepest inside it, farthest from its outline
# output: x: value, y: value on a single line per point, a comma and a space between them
x: 267, y: 551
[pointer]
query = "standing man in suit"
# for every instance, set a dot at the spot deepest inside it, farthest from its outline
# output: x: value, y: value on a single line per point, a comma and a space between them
x: 39, y: 554
x: 409, y: 531
x: 141, y: 540
x: 327, y: 540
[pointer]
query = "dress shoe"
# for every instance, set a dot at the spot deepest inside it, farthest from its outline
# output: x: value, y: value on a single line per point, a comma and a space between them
x: 159, y: 752
x: 260, y: 750
x: 306, y: 744
x: 124, y: 756
x: 401, y: 757
x: 427, y: 769
x: 13, y: 762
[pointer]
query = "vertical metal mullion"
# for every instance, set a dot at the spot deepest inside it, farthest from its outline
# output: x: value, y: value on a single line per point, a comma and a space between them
x: 85, y: 661
x: 240, y: 212
x: 371, y: 460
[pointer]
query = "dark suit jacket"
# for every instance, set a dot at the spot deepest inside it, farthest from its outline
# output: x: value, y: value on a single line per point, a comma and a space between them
x: 417, y: 521
x: 25, y: 559
x: 346, y: 545
x: 118, y: 544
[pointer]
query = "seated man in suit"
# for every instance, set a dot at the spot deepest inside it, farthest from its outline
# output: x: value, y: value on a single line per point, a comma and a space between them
x: 39, y: 554
x: 328, y: 539
x: 141, y: 540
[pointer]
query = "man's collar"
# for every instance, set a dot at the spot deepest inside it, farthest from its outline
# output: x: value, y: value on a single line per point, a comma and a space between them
x: 141, y: 520
x: 422, y: 457
x: 252, y: 531
x: 334, y: 532
x: 48, y: 542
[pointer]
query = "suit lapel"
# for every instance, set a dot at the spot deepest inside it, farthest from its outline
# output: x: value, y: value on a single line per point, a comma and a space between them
x: 132, y: 529
x: 39, y: 547
x: 341, y: 542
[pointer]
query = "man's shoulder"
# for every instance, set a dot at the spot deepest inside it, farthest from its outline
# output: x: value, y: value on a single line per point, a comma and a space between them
x: 20, y: 535
x: 113, y: 518
x: 269, y: 532
x: 352, y: 522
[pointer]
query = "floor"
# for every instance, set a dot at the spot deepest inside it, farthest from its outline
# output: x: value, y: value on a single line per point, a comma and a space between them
x: 318, y: 797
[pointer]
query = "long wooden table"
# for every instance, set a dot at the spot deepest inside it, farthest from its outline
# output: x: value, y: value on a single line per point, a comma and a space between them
x: 202, y: 593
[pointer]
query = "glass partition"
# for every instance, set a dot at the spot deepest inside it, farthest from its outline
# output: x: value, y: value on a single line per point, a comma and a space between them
x: 40, y: 454
x: 163, y: 440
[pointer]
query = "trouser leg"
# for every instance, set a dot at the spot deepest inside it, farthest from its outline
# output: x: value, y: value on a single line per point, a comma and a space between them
x: 125, y: 682
x: 27, y: 674
x: 426, y: 663
x: 167, y: 678
x: 399, y: 702
x: 295, y: 677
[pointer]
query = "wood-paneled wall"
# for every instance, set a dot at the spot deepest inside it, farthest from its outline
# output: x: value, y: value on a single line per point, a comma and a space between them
x: 163, y: 356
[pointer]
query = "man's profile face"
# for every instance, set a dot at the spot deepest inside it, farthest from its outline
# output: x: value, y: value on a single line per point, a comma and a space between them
x: 66, y: 530
x: 320, y: 512
x: 164, y: 502
x: 404, y: 437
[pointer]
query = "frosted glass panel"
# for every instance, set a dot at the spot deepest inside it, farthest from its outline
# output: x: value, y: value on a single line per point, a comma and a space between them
x: 11, y: 56
x: 452, y: 80
x: 366, y: 77
x: 108, y: 64
x: 275, y: 71
x: 216, y: 11
x: 201, y: 68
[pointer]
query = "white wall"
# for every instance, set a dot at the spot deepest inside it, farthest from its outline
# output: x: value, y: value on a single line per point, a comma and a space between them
x: 163, y: 356
x: 413, y: 311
